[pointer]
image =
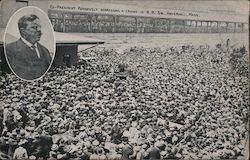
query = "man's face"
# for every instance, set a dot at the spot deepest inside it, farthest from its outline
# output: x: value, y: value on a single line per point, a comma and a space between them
x: 32, y: 32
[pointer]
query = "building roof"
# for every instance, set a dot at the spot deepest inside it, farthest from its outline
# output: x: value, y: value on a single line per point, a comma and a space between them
x: 74, y: 38
x: 65, y: 39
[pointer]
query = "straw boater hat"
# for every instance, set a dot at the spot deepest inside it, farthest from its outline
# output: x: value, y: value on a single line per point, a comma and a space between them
x: 22, y: 142
x: 97, y: 129
x: 32, y: 157
x: 54, y: 147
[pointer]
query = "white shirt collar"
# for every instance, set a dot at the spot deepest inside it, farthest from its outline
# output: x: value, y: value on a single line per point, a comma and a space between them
x: 28, y: 43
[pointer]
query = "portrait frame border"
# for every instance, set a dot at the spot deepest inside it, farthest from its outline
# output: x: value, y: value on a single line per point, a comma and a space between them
x: 4, y: 43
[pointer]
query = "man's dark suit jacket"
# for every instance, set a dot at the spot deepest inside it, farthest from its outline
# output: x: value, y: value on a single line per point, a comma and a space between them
x: 24, y: 60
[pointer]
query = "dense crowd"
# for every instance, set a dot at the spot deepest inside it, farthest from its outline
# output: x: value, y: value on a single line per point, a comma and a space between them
x: 142, y: 103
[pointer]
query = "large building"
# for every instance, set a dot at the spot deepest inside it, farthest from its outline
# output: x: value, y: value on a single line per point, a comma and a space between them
x: 94, y: 17
x: 99, y: 17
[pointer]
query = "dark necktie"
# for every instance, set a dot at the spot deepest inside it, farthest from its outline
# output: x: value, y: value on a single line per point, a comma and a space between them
x: 33, y: 47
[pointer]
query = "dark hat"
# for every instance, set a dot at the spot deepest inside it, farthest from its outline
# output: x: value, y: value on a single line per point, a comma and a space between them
x: 127, y: 150
x: 154, y: 153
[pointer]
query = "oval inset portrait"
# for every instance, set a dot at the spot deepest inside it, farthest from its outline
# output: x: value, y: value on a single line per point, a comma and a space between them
x: 29, y: 43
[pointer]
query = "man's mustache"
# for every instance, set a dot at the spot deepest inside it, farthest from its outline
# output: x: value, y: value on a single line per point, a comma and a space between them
x: 39, y: 33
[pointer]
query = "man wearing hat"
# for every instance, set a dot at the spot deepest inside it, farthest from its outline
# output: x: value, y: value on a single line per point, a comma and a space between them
x: 154, y: 153
x: 42, y: 146
x: 1, y: 119
x: 126, y: 152
x: 4, y: 148
x: 116, y: 134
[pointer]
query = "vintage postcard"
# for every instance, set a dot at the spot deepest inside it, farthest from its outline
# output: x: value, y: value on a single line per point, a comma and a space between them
x: 124, y: 79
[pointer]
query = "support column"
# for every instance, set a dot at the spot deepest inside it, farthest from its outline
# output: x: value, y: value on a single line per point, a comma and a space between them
x: 136, y: 23
x: 242, y: 29
x: 184, y: 26
x: 227, y: 27
x: 90, y: 23
x: 154, y: 24
x: 201, y: 27
x: 234, y: 27
x: 75, y: 29
x: 207, y: 25
x: 195, y: 26
x: 113, y: 29
x: 63, y: 23
x: 217, y: 30
x: 169, y: 26
x: 115, y: 24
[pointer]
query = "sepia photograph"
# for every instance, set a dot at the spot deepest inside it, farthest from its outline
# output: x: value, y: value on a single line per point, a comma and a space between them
x: 124, y: 79
x: 25, y: 40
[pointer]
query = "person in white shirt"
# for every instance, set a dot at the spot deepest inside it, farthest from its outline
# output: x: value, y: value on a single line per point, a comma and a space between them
x: 20, y: 152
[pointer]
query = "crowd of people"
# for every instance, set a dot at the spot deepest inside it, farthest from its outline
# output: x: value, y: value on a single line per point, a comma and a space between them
x: 142, y: 103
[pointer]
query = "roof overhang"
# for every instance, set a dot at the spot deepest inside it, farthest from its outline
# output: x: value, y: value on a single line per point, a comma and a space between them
x: 65, y: 39
x: 74, y: 39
